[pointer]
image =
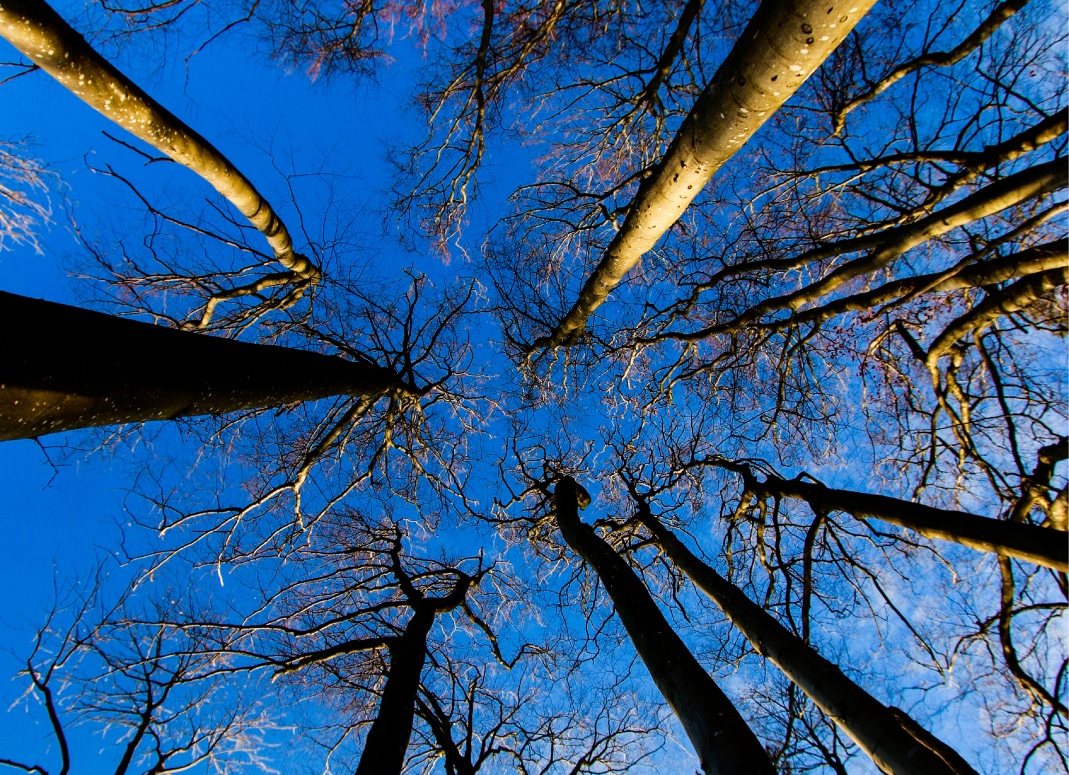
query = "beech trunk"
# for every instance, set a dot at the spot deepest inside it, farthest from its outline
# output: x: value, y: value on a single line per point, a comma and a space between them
x: 387, y: 740
x: 784, y: 43
x: 895, y: 743
x: 724, y: 743
x: 1044, y: 546
x: 63, y: 368
x: 44, y: 37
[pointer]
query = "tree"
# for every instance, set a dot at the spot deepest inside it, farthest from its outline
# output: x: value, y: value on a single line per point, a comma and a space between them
x: 719, y: 734
x: 41, y: 34
x: 785, y: 287
x: 154, y: 689
x: 1023, y: 541
x: 66, y: 368
x: 894, y: 741
x: 782, y: 41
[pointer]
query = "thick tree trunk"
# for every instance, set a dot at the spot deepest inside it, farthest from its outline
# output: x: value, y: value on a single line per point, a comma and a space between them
x: 1042, y: 545
x: 42, y: 35
x: 723, y: 741
x: 896, y: 746
x: 63, y: 368
x: 387, y: 740
x: 784, y: 43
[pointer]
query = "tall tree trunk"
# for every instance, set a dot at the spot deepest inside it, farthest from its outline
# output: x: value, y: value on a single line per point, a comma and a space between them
x: 1044, y: 546
x: 784, y: 43
x: 63, y: 368
x: 387, y: 740
x: 723, y: 741
x: 896, y: 743
x: 42, y: 35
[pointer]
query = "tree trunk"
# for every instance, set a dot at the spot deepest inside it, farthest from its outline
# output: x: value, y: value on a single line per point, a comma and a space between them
x: 387, y: 740
x: 784, y: 43
x: 723, y: 741
x: 1042, y: 545
x: 63, y: 368
x: 42, y: 35
x: 896, y: 746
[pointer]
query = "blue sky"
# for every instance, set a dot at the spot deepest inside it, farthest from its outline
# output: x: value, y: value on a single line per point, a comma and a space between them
x: 269, y: 122
x: 60, y: 518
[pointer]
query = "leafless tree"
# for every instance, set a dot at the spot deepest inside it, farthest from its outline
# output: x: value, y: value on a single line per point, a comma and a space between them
x: 39, y: 33
x: 786, y: 289
x: 153, y: 690
x: 66, y: 368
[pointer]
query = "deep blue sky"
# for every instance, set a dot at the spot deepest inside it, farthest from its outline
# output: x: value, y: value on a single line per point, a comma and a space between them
x: 61, y: 519
x: 57, y: 518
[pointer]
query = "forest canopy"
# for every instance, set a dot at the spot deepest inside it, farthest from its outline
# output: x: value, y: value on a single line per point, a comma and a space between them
x: 571, y: 386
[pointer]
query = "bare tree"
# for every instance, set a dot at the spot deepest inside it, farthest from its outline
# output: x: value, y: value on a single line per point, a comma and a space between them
x: 895, y: 742
x: 1012, y: 538
x: 779, y: 49
x: 834, y: 239
x: 715, y: 728
x: 66, y: 368
x: 153, y: 688
x: 37, y: 31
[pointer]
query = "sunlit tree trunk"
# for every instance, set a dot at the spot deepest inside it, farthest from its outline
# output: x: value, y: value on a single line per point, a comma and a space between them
x: 1042, y: 545
x: 784, y: 43
x: 723, y: 741
x: 42, y: 35
x: 895, y: 743
x: 63, y: 368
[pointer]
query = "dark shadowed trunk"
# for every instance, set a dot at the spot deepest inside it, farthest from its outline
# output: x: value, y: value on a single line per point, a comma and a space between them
x: 895, y: 745
x: 63, y: 368
x: 723, y: 741
x: 387, y: 740
x: 1046, y: 546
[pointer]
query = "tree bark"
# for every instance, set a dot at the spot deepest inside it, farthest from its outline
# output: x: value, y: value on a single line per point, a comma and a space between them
x: 723, y: 741
x: 784, y: 43
x: 387, y: 740
x: 1044, y: 546
x: 43, y: 36
x: 902, y: 748
x: 63, y: 368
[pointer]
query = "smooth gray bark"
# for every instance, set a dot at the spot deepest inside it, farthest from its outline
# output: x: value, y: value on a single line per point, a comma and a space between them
x: 43, y: 36
x: 63, y: 368
x: 784, y: 43
x: 1044, y: 546
x: 722, y: 739
x: 895, y: 745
